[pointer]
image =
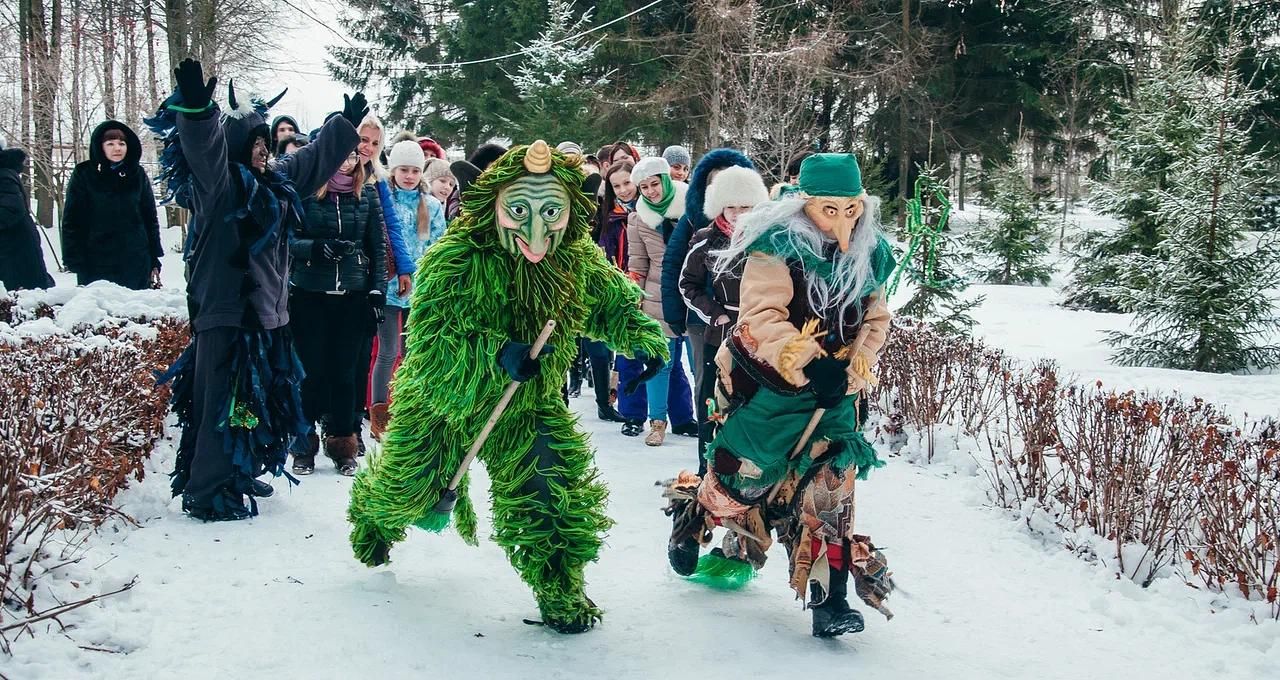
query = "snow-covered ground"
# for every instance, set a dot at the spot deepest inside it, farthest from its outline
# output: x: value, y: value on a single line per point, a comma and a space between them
x: 280, y: 596
x: 982, y: 596
x: 1029, y: 323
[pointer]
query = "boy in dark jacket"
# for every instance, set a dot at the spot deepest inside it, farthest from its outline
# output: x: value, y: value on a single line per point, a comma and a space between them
x: 236, y: 387
x: 21, y: 260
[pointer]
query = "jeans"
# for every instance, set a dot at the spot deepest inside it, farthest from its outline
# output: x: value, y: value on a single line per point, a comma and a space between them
x: 388, y: 351
x: 674, y: 401
x: 668, y: 392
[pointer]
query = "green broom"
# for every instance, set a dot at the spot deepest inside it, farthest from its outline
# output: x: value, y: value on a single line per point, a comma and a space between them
x: 438, y: 518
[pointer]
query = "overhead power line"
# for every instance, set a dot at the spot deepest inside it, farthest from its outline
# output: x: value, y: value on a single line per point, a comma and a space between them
x: 401, y: 67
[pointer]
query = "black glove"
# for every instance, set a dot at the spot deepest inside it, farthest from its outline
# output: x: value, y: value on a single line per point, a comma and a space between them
x: 651, y: 367
x: 331, y: 249
x: 196, y: 93
x: 678, y: 327
x: 354, y: 109
x: 377, y: 304
x: 514, y: 359
x: 828, y: 379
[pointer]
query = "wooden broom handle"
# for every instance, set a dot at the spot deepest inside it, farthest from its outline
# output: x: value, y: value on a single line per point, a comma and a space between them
x: 500, y: 407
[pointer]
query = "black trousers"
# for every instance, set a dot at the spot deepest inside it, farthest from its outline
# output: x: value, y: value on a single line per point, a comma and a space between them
x: 329, y: 332
x: 211, y: 466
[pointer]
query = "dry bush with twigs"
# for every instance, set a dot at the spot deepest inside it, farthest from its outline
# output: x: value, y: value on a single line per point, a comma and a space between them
x: 79, y: 416
x: 1166, y: 483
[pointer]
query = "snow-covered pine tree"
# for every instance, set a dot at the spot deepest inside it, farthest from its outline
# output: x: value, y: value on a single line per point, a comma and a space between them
x: 1209, y: 303
x: 1148, y: 136
x: 1015, y: 242
x: 927, y: 262
x: 555, y: 82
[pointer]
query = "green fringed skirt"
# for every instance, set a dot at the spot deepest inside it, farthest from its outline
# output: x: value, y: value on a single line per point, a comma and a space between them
x: 765, y: 430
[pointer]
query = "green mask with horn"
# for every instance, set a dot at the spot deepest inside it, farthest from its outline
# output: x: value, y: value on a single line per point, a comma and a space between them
x: 533, y: 212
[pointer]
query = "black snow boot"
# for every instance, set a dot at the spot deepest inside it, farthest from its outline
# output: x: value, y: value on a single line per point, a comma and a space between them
x: 632, y: 428
x: 261, y: 489
x: 224, y: 506
x: 609, y: 414
x: 683, y: 556
x: 689, y: 429
x: 834, y: 616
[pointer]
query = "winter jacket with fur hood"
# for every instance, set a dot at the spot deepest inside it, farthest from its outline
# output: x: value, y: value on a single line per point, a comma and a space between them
x: 347, y: 217
x: 110, y: 227
x: 21, y: 259
x: 674, y: 311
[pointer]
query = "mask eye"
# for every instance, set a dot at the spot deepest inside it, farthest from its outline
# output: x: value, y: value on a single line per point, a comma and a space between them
x: 830, y: 211
x: 518, y: 211
x: 550, y: 213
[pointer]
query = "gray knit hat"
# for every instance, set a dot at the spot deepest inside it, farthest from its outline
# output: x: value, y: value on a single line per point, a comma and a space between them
x: 435, y: 169
x: 678, y: 155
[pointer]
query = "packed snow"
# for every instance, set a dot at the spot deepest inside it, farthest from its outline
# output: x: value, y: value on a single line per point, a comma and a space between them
x: 984, y: 593
x: 281, y: 596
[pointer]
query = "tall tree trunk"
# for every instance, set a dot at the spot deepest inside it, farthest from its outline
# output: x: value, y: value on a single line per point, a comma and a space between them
x: 108, y: 25
x: 129, y: 24
x: 153, y: 97
x: 961, y: 179
x: 77, y: 80
x: 177, y: 34
x: 46, y: 34
x: 904, y: 139
x: 24, y: 58
x: 824, y: 118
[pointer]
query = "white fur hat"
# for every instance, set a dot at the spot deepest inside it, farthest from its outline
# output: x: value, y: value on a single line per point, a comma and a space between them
x: 406, y: 153
x: 648, y: 167
x: 734, y: 186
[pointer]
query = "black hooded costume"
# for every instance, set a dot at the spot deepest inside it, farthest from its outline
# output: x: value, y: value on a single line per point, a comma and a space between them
x: 236, y: 388
x: 21, y: 260
x: 110, y: 229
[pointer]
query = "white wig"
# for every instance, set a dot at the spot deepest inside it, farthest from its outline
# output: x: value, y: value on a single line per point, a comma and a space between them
x: 851, y: 278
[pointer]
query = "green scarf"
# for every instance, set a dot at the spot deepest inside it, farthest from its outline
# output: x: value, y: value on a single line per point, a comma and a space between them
x: 668, y: 195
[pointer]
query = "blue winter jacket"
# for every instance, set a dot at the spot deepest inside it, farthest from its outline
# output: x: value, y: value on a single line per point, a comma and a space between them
x: 405, y: 205
x: 674, y: 311
x: 404, y: 263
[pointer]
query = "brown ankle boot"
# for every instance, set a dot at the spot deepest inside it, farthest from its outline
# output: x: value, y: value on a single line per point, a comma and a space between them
x: 342, y: 451
x: 379, y: 417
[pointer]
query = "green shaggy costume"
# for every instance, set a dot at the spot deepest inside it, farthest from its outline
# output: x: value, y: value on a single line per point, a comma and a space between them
x: 475, y: 291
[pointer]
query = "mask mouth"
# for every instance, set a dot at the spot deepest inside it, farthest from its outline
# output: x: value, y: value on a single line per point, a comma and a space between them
x: 528, y: 253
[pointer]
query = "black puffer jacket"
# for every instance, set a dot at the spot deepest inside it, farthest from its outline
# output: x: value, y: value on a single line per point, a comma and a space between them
x: 21, y: 260
x: 708, y: 294
x: 110, y: 229
x: 343, y: 217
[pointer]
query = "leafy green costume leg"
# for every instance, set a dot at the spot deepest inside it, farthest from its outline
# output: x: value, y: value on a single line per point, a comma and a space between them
x: 548, y: 512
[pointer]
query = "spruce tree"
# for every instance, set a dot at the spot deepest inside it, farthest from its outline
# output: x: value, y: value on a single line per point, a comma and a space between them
x: 1208, y: 306
x: 554, y: 80
x: 1149, y: 136
x: 1014, y: 243
x: 927, y: 262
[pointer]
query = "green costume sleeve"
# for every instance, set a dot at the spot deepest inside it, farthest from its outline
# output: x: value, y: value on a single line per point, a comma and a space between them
x: 614, y: 300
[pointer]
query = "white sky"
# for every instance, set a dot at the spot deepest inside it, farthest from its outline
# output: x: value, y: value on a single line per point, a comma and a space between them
x: 312, y: 93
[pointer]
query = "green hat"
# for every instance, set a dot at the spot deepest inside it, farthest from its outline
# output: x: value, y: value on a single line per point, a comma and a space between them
x: 831, y: 174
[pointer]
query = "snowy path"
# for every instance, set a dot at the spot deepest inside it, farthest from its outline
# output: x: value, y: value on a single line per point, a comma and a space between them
x: 281, y: 597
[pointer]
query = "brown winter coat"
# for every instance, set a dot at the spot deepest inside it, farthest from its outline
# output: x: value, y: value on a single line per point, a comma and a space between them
x: 645, y: 253
x: 769, y: 330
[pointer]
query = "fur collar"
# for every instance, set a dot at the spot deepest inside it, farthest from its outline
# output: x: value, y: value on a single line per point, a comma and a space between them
x: 674, y: 211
